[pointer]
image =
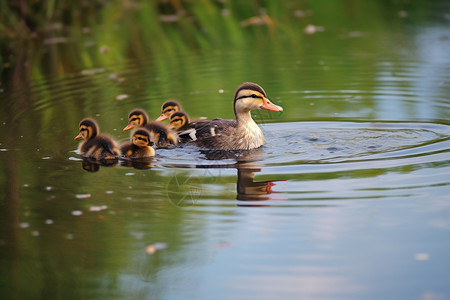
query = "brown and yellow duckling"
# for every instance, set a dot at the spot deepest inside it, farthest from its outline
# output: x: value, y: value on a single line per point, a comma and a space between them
x: 168, y: 108
x: 179, y: 121
x: 139, y: 145
x: 160, y: 134
x: 96, y: 146
x: 240, y: 134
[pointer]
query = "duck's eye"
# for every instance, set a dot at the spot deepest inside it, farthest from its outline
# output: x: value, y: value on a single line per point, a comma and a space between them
x: 254, y: 96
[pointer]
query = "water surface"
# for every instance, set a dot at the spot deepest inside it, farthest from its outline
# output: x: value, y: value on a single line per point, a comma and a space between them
x: 348, y: 199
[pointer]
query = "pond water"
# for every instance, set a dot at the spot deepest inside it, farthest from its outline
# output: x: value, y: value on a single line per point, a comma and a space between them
x: 348, y: 198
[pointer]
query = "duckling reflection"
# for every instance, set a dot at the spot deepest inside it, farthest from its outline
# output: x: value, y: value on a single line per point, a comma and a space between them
x: 141, y: 163
x: 91, y: 165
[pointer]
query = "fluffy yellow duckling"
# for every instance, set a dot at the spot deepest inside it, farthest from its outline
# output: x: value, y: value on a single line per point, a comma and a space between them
x: 96, y: 146
x: 161, y: 135
x: 168, y: 108
x: 139, y: 145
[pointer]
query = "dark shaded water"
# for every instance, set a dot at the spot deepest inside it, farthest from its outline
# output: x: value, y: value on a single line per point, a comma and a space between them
x: 348, y: 199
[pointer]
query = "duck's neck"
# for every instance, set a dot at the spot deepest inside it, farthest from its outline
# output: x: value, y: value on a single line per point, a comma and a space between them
x: 244, y: 118
x: 248, y: 131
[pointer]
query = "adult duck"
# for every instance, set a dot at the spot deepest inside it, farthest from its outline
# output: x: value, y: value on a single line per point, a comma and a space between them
x: 240, y: 134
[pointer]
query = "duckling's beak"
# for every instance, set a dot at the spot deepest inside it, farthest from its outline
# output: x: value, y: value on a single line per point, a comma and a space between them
x: 128, y: 127
x: 162, y: 117
x: 270, y: 106
x: 79, y: 136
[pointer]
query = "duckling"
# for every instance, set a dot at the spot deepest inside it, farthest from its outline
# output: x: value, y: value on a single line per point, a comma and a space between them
x: 139, y: 145
x: 168, y: 108
x: 240, y: 134
x: 179, y: 121
x: 161, y: 135
x: 95, y: 146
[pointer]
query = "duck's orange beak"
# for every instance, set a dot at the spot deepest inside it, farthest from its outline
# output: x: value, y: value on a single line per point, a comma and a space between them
x: 128, y: 127
x: 79, y: 136
x: 270, y: 106
x: 162, y: 117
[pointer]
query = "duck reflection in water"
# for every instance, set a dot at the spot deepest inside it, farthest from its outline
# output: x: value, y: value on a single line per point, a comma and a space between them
x: 247, y: 165
x: 250, y: 190
x: 91, y: 165
x: 141, y: 163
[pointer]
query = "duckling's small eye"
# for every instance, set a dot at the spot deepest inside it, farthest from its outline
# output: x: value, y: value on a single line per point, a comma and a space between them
x: 254, y: 96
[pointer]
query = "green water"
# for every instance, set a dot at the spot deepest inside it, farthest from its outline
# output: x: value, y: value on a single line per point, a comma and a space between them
x: 348, y: 199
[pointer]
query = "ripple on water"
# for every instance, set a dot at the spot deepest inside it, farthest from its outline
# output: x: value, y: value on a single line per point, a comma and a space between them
x: 341, y: 142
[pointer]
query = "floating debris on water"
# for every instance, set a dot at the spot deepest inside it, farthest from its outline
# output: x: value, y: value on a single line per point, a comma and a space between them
x: 92, y: 71
x: 402, y: 14
x: 311, y: 29
x: 24, y: 225
x: 83, y: 196
x: 70, y: 236
x: 421, y: 256
x: 104, y: 49
x: 122, y: 97
x: 35, y: 233
x: 49, y: 221
x: 110, y: 192
x: 77, y: 213
x: 98, y: 208
x: 48, y: 188
x: 56, y: 40
x: 152, y: 248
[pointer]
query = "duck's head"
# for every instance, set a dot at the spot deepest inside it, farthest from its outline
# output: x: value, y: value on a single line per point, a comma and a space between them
x: 168, y: 108
x: 136, y: 118
x: 88, y: 129
x: 178, y: 120
x: 251, y: 96
x: 141, y: 138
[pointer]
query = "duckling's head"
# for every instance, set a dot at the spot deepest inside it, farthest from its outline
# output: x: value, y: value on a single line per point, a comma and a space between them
x: 88, y: 129
x: 178, y: 120
x: 251, y: 96
x: 141, y: 138
x: 136, y: 118
x: 168, y: 108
